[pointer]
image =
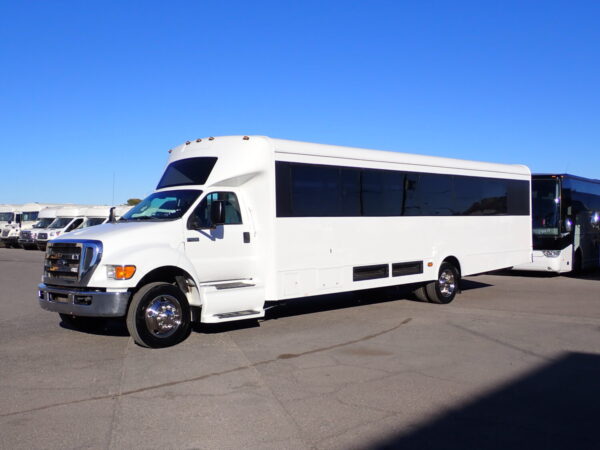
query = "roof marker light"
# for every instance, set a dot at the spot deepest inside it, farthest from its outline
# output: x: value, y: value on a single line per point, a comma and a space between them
x: 171, y: 151
x: 198, y: 140
x: 187, y: 142
x: 211, y: 138
x: 246, y: 138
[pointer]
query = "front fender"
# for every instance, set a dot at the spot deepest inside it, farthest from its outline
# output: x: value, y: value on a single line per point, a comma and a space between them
x: 145, y: 259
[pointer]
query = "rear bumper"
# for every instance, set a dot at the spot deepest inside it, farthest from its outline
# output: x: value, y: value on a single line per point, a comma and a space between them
x: 83, y: 303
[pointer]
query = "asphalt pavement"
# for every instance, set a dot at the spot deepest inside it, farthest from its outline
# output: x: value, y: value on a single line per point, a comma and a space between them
x: 513, y: 362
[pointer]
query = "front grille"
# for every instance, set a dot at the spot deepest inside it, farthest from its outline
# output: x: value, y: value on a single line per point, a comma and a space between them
x: 42, y: 236
x: 5, y: 233
x: 63, y: 261
x: 25, y: 235
x: 70, y: 262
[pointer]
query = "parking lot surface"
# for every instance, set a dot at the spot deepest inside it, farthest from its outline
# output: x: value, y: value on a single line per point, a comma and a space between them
x: 513, y: 362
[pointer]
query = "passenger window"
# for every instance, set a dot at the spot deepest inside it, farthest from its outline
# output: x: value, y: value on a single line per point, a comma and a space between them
x: 201, y: 214
x: 435, y: 193
x: 382, y: 192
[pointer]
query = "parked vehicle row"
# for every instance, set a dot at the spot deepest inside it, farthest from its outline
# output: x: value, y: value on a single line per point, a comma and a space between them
x: 32, y: 225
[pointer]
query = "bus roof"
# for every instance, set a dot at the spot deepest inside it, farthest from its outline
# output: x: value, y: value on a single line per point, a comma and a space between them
x: 337, y: 153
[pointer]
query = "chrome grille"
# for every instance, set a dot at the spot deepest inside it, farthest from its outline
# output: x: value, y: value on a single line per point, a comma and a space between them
x: 62, y: 261
x: 42, y: 236
x: 5, y: 233
x: 25, y: 235
x: 71, y: 262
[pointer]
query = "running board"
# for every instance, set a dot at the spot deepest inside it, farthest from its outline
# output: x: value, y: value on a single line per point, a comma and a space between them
x: 226, y: 302
x: 248, y: 312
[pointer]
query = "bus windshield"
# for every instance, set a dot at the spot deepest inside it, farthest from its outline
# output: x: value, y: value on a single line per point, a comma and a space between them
x: 166, y: 205
x: 545, y: 195
x: 29, y: 216
x: 43, y: 223
x: 60, y: 222
x: 6, y: 217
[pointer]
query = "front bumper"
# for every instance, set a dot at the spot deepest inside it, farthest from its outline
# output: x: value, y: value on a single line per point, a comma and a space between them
x: 83, y: 303
x: 11, y: 240
x: 542, y: 263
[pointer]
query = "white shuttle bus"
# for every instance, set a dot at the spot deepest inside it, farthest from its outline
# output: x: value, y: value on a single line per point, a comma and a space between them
x: 27, y: 237
x: 67, y: 219
x: 238, y: 221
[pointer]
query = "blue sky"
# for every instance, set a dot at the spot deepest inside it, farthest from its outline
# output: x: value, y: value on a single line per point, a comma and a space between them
x: 91, y: 90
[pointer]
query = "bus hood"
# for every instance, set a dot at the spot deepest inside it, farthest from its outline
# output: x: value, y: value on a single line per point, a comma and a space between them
x: 129, y: 234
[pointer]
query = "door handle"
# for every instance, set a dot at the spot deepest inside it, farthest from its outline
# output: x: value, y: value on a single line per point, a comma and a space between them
x: 246, y: 237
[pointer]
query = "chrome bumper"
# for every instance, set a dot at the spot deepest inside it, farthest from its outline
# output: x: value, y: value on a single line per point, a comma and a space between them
x: 83, y: 303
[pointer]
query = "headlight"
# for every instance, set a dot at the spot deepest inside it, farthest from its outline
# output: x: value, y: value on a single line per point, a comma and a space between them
x: 551, y: 253
x: 120, y: 272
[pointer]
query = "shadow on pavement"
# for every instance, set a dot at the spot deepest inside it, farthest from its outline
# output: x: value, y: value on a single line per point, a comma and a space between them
x: 289, y: 308
x: 99, y: 327
x: 555, y: 407
x: 584, y: 275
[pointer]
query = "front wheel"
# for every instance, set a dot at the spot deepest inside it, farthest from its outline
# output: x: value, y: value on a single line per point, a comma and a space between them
x: 444, y: 289
x: 159, y: 316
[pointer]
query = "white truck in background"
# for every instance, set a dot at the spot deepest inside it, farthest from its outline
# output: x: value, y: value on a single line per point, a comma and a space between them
x: 7, y: 217
x: 238, y: 222
x: 27, y: 238
x: 26, y: 218
x: 67, y: 219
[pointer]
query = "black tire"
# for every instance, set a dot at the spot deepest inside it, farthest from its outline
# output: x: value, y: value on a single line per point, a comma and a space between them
x: 577, y: 267
x: 150, y: 330
x: 445, y: 287
x: 82, y: 323
x: 421, y: 294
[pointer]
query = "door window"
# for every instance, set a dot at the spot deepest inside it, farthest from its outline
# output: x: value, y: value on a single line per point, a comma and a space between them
x: 201, y: 215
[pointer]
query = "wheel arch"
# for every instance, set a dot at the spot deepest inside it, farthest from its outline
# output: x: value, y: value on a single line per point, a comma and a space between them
x: 455, y: 262
x: 172, y: 274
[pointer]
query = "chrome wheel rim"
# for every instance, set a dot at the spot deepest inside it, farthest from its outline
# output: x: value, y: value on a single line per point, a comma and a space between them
x: 163, y: 316
x: 447, y: 283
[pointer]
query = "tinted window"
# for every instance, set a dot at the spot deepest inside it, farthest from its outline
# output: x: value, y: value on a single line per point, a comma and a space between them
x: 518, y: 198
x: 305, y: 190
x: 411, y: 204
x: 435, y: 194
x: 382, y: 192
x: 188, y: 171
x: 467, y: 196
x: 350, y: 180
x: 315, y: 190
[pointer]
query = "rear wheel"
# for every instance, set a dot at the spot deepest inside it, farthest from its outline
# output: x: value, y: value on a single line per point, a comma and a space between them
x: 444, y: 289
x: 421, y: 294
x: 159, y: 316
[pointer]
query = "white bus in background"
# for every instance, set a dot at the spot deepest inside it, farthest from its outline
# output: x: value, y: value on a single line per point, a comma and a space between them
x: 27, y: 238
x: 26, y: 217
x: 566, y: 224
x: 67, y: 219
x: 238, y: 221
